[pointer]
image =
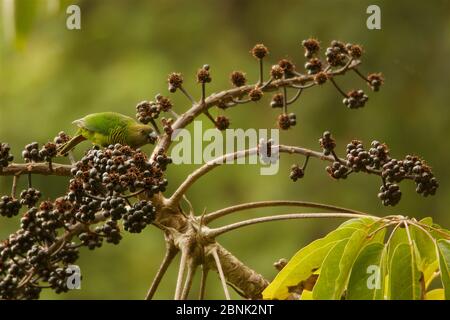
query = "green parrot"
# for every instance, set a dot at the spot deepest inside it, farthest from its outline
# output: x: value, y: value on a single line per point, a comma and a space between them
x: 106, y: 128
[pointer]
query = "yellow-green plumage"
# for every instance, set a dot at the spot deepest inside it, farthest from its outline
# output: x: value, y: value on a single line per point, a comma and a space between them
x: 107, y: 128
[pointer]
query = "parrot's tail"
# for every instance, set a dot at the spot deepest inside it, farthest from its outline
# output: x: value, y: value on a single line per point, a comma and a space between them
x: 69, y: 145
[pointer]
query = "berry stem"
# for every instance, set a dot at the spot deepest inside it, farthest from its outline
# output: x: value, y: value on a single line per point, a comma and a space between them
x: 306, y: 163
x: 338, y: 88
x: 14, y: 186
x: 155, y: 126
x: 361, y: 75
x: 182, y: 89
x: 294, y: 98
x: 29, y: 180
x: 261, y: 72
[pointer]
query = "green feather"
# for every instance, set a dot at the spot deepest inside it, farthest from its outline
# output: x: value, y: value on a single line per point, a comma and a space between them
x: 107, y: 128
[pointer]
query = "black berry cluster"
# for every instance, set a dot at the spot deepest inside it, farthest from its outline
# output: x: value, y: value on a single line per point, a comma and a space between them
x: 9, y: 206
x: 355, y: 99
x: 337, y: 170
x: 31, y: 153
x: 150, y: 110
x: 110, y: 231
x: 5, y: 156
x: 297, y: 172
x: 30, y: 197
x: 357, y: 157
x: 61, y: 139
x: 336, y: 54
x: 222, y: 122
x: 390, y: 194
x: 139, y: 216
x: 327, y: 143
x: 312, y: 47
x: 377, y: 160
x: 48, y: 151
x: 285, y: 121
x: 203, y: 74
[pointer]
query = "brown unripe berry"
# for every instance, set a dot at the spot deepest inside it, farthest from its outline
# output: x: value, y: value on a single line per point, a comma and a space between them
x: 255, y: 94
x: 320, y: 78
x: 311, y: 47
x: 277, y: 101
x: 284, y: 122
x: 203, y: 75
x: 259, y: 51
x: 238, y: 78
x: 175, y: 81
x: 222, y: 123
x: 276, y: 72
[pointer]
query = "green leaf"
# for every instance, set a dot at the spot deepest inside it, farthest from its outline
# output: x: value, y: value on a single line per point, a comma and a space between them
x: 425, y: 246
x: 326, y: 283
x: 405, y: 279
x: 310, y: 258
x: 436, y: 294
x: 444, y: 264
x: 332, y: 281
x: 367, y: 277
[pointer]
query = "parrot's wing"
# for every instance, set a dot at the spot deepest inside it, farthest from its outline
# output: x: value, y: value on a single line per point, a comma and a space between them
x: 103, y: 122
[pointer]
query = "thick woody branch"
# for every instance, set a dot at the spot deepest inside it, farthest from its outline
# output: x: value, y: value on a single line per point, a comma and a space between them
x: 43, y: 168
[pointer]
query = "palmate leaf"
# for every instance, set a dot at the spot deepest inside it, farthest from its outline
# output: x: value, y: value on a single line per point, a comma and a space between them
x: 405, y: 279
x: 368, y: 274
x: 444, y: 265
x: 332, y: 279
x: 311, y: 258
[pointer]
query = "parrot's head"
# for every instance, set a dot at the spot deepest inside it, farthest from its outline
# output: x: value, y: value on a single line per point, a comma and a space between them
x: 142, y: 134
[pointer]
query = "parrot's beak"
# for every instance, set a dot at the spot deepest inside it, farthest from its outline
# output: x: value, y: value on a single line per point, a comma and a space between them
x: 152, y: 137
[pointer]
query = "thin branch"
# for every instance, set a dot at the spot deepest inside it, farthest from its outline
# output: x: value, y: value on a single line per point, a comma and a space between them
x: 221, y: 230
x: 171, y: 252
x: 361, y: 75
x: 274, y: 203
x: 227, y: 158
x: 338, y: 88
x: 182, y: 89
x: 294, y: 98
x: 179, y: 287
x: 221, y: 274
x: 227, y: 95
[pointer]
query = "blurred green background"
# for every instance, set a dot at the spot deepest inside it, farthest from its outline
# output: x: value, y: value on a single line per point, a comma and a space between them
x: 50, y: 76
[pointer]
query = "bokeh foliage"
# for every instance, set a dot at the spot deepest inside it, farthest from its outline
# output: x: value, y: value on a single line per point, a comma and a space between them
x: 50, y: 76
